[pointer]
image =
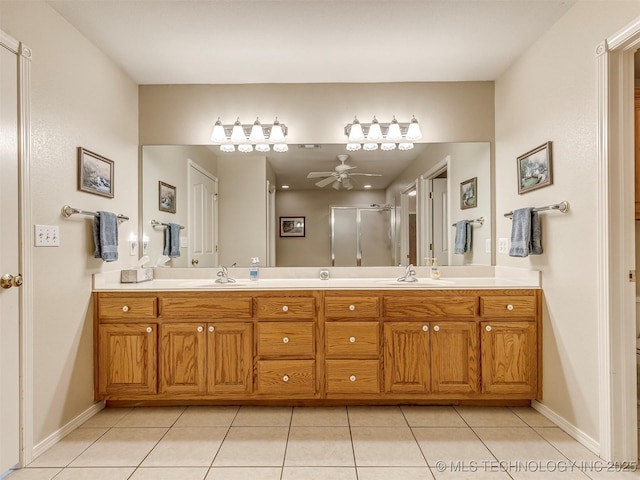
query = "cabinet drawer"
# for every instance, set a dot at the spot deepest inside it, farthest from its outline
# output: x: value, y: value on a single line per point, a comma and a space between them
x: 281, y: 307
x: 508, y: 306
x: 449, y: 306
x: 348, y: 376
x: 283, y: 377
x: 205, y: 307
x: 352, y: 339
x: 286, y: 338
x: 133, y: 308
x: 357, y: 307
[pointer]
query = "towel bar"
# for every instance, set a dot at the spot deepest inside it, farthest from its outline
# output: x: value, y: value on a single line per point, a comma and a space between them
x: 475, y: 220
x: 155, y: 223
x: 67, y: 211
x: 563, y: 207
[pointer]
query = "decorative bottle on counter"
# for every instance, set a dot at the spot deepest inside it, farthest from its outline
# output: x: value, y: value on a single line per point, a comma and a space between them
x: 435, y: 271
x: 255, y: 267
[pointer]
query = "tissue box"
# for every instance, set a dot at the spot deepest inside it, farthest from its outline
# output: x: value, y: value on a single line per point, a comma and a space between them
x: 135, y: 275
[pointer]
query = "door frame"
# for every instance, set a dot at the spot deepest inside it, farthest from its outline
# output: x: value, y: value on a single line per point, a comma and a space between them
x: 615, y: 227
x: 424, y: 225
x: 25, y: 239
x: 404, y: 223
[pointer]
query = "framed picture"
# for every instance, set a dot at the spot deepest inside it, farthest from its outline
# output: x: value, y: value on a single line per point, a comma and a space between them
x: 166, y: 197
x: 469, y: 193
x: 534, y: 169
x: 292, y: 226
x: 95, y: 173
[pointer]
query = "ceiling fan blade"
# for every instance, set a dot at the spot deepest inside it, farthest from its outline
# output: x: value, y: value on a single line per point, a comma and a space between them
x: 319, y: 174
x: 367, y: 174
x: 325, y: 182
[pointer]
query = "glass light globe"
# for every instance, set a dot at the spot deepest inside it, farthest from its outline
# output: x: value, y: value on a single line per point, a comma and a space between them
x: 394, y: 134
x: 245, y: 148
x: 387, y: 146
x: 355, y: 133
x: 413, y: 132
x: 277, y: 134
x: 237, y: 134
x: 227, y: 148
x: 218, y: 135
x: 280, y: 147
x: 370, y: 147
x: 257, y: 135
x: 375, y: 133
x: 262, y: 147
x: 405, y: 146
x: 353, y: 147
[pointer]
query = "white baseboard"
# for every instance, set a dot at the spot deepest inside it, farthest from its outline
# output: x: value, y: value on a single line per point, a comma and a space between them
x: 59, y: 434
x: 569, y: 428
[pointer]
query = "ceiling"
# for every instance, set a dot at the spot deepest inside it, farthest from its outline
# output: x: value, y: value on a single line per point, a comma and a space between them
x: 314, y: 41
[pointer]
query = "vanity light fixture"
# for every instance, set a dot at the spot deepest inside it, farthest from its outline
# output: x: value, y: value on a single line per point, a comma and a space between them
x: 386, y: 136
x: 247, y: 137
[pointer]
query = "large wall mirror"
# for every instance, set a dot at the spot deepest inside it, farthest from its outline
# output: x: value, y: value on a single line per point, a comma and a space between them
x: 368, y: 209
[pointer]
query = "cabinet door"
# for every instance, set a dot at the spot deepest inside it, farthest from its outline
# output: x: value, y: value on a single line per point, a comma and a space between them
x: 127, y: 359
x: 183, y: 358
x: 230, y: 357
x: 406, y: 357
x: 455, y: 357
x: 509, y: 357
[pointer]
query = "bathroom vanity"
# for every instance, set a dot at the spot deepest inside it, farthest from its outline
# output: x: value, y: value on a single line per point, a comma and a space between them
x: 364, y: 341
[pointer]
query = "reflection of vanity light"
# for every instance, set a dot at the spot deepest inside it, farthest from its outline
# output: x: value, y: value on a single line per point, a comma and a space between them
x: 245, y: 148
x: 412, y: 193
x: 133, y: 243
x: 227, y: 148
x: 405, y: 146
x: 284, y: 187
x: 366, y: 186
x: 145, y: 243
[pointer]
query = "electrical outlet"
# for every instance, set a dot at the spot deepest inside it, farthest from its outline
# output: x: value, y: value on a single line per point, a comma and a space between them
x: 487, y: 245
x: 503, y: 245
x: 47, y: 236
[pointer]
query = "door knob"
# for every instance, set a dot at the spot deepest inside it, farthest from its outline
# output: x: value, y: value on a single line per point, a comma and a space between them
x: 8, y: 280
x: 194, y: 262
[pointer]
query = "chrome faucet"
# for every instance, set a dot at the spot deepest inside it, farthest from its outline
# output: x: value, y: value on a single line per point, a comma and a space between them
x: 223, y: 276
x: 409, y: 275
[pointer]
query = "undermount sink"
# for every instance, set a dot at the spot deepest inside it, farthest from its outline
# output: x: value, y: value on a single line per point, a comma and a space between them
x: 212, y: 284
x: 420, y: 282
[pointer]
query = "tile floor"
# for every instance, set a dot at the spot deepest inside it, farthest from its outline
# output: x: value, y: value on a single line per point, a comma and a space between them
x: 283, y: 443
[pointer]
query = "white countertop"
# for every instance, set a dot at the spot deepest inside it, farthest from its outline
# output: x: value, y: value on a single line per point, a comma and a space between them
x: 373, y: 278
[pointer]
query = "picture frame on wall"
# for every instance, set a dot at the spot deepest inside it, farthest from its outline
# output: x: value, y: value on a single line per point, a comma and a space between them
x: 469, y: 193
x: 166, y: 197
x: 292, y: 227
x: 535, y: 169
x: 95, y: 173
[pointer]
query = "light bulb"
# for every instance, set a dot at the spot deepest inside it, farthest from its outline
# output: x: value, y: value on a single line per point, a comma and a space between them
x: 280, y: 147
x: 218, y: 135
x: 386, y: 146
x: 355, y: 133
x: 277, y: 134
x: 353, y: 147
x: 405, y: 146
x: 375, y: 133
x: 262, y: 147
x: 370, y: 147
x: 227, y: 148
x: 257, y: 135
x: 394, y: 134
x: 413, y: 132
x: 245, y: 148
x: 237, y: 134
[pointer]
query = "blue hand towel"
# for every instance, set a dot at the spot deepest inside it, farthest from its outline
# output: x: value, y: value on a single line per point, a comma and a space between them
x: 172, y: 240
x: 462, y: 243
x: 105, y: 235
x: 526, y: 233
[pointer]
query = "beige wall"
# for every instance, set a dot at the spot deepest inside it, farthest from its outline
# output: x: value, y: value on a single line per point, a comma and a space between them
x: 79, y: 98
x: 550, y: 94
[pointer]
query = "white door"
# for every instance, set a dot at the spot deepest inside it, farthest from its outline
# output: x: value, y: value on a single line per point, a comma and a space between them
x: 9, y: 254
x: 440, y: 229
x: 203, y: 217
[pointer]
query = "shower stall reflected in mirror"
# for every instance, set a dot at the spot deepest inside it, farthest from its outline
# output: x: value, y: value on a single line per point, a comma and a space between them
x: 362, y: 236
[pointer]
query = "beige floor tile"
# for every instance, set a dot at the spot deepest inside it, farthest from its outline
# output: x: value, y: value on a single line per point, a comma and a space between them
x: 33, y: 474
x: 66, y: 450
x: 319, y: 473
x: 567, y: 445
x: 433, y: 417
x: 187, y: 447
x: 480, y: 474
x: 385, y: 447
x: 253, y: 447
x: 550, y: 472
x: 320, y: 417
x: 451, y: 445
x: 95, y: 474
x: 174, y: 473
x: 518, y: 444
x: 319, y: 446
x: 602, y: 472
x: 490, y: 417
x: 263, y: 417
x: 532, y: 417
x: 120, y: 447
x: 151, y: 417
x: 107, y: 417
x: 207, y: 417
x: 399, y: 473
x: 244, y: 473
x: 367, y: 416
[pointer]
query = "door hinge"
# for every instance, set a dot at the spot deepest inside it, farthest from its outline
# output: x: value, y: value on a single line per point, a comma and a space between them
x: 431, y: 246
x: 632, y: 275
x: 216, y: 248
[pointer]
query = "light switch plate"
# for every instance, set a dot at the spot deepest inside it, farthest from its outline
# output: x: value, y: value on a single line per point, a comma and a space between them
x: 47, y: 236
x: 184, y: 242
x: 503, y: 245
x: 487, y: 245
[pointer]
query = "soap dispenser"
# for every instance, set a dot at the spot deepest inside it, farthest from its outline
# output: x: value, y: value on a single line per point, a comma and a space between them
x: 435, y: 271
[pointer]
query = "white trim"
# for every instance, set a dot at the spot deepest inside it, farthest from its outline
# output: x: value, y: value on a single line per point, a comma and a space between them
x: 423, y: 222
x: 65, y: 430
x: 616, y: 246
x: 404, y: 224
x: 589, y: 442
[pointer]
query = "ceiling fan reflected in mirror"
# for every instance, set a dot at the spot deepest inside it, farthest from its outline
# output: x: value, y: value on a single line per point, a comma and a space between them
x: 341, y: 176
